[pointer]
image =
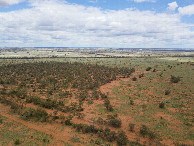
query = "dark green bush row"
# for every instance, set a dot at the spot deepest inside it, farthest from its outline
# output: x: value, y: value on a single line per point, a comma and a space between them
x: 105, y: 134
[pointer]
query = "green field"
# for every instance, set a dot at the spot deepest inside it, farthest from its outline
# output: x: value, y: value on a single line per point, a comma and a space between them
x: 66, y: 89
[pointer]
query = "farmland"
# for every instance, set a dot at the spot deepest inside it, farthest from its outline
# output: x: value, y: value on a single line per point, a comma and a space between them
x: 98, y: 97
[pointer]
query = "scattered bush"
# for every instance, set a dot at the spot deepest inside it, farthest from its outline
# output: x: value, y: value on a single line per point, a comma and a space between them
x: 1, y: 121
x: 141, y: 75
x: 131, y: 102
x: 134, y: 79
x: 107, y: 105
x: 17, y: 142
x: 131, y: 127
x: 103, y: 96
x: 167, y: 92
x: 36, y: 114
x: 154, y: 70
x: 114, y: 121
x: 174, y: 79
x: 122, y: 138
x: 148, y: 69
x: 68, y: 122
x: 161, y: 105
x: 143, y: 130
x: 100, y: 121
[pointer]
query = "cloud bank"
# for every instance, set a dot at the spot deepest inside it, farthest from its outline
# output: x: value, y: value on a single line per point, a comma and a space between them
x: 56, y: 23
x: 9, y: 2
x: 188, y: 10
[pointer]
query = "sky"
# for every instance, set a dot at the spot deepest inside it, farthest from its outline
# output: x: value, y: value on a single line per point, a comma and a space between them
x: 97, y: 23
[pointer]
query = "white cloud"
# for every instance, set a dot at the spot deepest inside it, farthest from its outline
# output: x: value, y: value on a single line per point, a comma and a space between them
x: 139, y: 1
x: 172, y: 6
x: 9, y: 2
x: 188, y: 10
x: 56, y: 23
x: 93, y: 1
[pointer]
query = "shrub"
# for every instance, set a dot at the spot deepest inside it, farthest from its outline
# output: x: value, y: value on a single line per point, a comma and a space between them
x: 134, y: 79
x: 148, y: 69
x: 151, y: 135
x: 174, y: 79
x: 68, y: 122
x: 107, y: 105
x: 131, y: 102
x: 109, y: 135
x: 100, y: 121
x: 17, y: 142
x: 103, y: 95
x: 131, y: 127
x: 121, y: 138
x: 109, y: 108
x: 154, y: 70
x: 38, y: 114
x: 161, y: 105
x: 1, y: 121
x: 143, y: 130
x: 141, y: 75
x: 106, y: 102
x: 167, y: 92
x: 114, y: 121
x: 28, y: 113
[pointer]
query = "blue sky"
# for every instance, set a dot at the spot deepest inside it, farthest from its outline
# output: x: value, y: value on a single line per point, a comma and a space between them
x: 97, y: 23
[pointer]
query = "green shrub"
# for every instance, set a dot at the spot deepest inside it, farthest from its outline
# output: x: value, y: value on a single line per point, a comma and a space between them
x: 68, y: 122
x: 154, y: 70
x: 131, y: 127
x: 38, y: 114
x: 100, y: 121
x: 109, y: 135
x: 167, y: 92
x: 161, y: 105
x: 28, y: 113
x: 1, y: 121
x: 114, y: 121
x: 141, y: 75
x: 17, y: 142
x: 107, y: 105
x: 121, y: 138
x: 174, y: 79
x: 143, y: 130
x: 134, y: 79
x: 148, y: 69
x: 131, y: 102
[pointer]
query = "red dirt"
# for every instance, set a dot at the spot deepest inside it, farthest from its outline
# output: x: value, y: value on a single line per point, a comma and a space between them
x: 50, y: 129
